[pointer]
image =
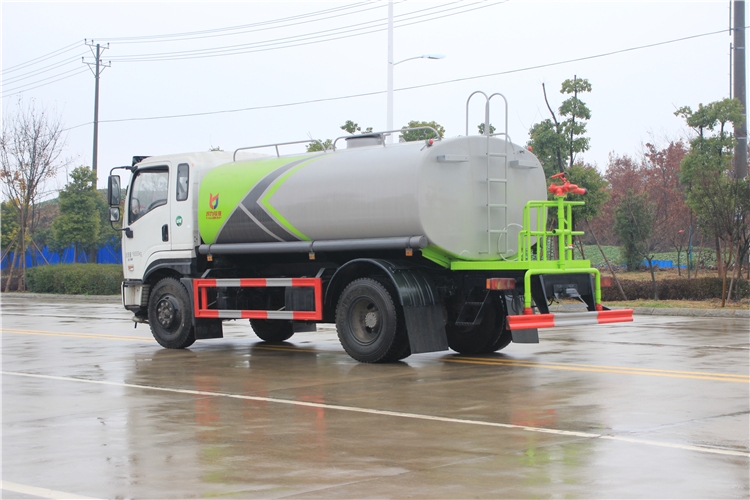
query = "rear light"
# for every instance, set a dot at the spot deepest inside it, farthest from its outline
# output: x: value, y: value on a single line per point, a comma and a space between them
x: 501, y: 284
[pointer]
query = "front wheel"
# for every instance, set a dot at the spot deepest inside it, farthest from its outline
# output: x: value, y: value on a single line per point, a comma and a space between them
x: 170, y: 316
x: 369, y: 323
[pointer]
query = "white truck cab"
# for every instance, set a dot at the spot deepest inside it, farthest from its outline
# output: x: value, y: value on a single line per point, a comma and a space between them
x: 159, y: 218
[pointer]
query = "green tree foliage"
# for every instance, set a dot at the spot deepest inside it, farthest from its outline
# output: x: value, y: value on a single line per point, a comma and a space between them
x: 634, y: 224
x: 721, y: 202
x: 480, y: 127
x: 354, y: 128
x: 421, y: 135
x: 587, y: 176
x: 317, y: 146
x: 8, y: 224
x: 556, y: 141
x: 80, y: 219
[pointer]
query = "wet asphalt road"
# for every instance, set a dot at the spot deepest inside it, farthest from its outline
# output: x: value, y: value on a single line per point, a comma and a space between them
x: 92, y: 408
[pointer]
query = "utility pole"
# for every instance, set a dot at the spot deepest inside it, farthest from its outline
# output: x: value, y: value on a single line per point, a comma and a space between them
x: 389, y: 98
x: 97, y: 67
x: 739, y: 90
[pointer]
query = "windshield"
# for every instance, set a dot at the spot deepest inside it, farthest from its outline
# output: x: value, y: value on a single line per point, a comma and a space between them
x: 148, y: 192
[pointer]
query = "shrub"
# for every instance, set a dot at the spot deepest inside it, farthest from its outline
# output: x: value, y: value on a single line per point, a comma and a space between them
x: 75, y: 279
x: 679, y: 289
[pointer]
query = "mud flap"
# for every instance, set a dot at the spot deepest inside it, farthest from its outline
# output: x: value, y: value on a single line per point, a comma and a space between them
x: 204, y: 328
x: 423, y: 311
x: 528, y: 336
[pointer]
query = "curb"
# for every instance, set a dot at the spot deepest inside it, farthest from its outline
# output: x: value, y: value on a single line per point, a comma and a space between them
x: 700, y: 313
x: 641, y: 311
x: 116, y: 299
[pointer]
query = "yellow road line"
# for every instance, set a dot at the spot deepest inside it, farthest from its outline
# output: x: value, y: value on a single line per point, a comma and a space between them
x: 104, y: 336
x: 608, y: 367
x: 618, y: 370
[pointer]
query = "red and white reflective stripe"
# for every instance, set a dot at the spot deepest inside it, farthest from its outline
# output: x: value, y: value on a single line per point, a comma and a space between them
x: 526, y: 321
x: 200, y: 298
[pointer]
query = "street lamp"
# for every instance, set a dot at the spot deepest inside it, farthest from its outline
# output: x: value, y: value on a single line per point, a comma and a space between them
x: 391, y: 64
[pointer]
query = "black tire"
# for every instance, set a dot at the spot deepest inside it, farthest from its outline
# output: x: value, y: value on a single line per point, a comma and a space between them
x: 370, y: 325
x: 170, y: 315
x: 272, y: 331
x: 489, y: 336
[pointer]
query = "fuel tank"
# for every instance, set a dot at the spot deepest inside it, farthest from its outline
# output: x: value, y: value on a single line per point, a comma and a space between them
x: 465, y: 195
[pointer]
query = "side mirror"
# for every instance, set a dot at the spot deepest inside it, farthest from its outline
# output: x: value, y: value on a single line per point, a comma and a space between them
x: 114, y: 214
x: 113, y: 194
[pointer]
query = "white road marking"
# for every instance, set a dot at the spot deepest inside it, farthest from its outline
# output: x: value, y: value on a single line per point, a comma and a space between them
x: 389, y: 413
x: 39, y: 492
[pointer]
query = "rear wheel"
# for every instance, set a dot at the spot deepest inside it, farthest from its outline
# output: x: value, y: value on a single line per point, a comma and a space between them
x: 489, y: 336
x: 370, y: 325
x: 272, y: 331
x: 170, y: 316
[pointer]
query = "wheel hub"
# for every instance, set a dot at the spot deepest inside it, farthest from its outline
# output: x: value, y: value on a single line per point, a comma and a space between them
x: 371, y: 320
x: 166, y: 311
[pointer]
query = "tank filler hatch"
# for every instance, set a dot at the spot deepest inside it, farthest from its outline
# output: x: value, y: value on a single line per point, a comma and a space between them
x: 360, y: 141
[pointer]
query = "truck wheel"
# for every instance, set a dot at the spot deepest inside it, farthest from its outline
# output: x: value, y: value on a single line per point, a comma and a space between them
x: 272, y: 331
x: 489, y: 336
x: 170, y: 316
x: 369, y: 323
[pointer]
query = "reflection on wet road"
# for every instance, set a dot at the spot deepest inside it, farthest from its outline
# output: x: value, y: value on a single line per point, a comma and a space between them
x: 93, y: 408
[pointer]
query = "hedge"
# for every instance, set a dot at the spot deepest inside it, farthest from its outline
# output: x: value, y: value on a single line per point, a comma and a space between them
x: 75, y: 279
x: 677, y: 289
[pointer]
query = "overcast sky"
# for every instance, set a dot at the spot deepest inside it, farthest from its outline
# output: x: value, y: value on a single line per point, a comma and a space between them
x: 284, y: 56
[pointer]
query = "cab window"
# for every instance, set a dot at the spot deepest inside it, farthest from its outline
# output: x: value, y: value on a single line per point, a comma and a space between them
x: 182, y: 181
x: 149, y: 191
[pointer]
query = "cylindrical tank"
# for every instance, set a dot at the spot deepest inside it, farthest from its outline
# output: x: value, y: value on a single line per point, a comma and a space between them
x: 466, y: 202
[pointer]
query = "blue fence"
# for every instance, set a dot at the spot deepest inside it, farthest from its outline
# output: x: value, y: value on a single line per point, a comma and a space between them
x: 105, y: 255
x: 663, y: 264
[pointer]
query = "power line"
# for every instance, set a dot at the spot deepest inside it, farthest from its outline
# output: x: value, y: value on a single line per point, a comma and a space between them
x: 26, y: 87
x: 31, y: 74
x: 444, y: 82
x: 196, y: 34
x: 297, y: 40
x: 254, y: 28
x: 41, y: 58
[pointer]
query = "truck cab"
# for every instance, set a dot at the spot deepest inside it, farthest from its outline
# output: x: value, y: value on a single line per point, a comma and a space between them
x: 159, y: 221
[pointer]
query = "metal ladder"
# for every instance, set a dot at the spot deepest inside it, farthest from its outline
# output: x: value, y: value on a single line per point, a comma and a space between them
x: 501, y: 180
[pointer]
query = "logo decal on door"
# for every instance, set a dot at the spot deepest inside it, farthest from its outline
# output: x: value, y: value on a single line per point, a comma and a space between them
x: 213, y: 204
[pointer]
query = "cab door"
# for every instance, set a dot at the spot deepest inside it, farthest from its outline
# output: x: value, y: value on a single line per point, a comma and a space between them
x: 148, y: 214
x: 182, y: 226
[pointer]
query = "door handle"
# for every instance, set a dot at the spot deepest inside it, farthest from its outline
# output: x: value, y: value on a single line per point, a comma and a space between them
x: 165, y: 232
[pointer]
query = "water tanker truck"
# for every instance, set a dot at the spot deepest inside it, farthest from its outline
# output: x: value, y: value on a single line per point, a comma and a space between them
x: 408, y: 248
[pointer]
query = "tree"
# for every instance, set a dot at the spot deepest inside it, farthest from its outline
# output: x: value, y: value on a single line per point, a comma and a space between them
x: 317, y: 146
x: 30, y: 153
x: 480, y: 127
x: 421, y: 135
x: 79, y: 222
x: 661, y: 172
x: 720, y: 201
x: 557, y: 141
x: 634, y: 224
x: 354, y: 128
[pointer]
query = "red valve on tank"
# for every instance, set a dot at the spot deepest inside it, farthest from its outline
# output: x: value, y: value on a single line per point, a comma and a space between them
x: 564, y: 188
